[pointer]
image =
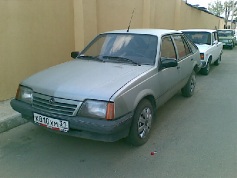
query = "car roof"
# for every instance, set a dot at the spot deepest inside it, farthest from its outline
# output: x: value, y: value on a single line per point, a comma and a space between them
x: 156, y: 32
x: 198, y: 30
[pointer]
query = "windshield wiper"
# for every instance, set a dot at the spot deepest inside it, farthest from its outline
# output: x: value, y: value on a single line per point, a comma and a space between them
x: 118, y: 58
x: 92, y: 57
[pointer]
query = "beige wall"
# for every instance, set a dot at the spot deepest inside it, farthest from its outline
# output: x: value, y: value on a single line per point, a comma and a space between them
x: 96, y: 16
x: 194, y: 18
x: 36, y: 34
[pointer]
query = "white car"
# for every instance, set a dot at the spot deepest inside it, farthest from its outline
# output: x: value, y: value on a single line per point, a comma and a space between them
x: 209, y: 46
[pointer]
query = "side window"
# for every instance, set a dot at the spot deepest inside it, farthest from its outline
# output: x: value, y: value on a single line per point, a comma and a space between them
x: 209, y: 39
x: 213, y: 38
x: 182, y: 47
x: 216, y: 36
x: 167, y: 48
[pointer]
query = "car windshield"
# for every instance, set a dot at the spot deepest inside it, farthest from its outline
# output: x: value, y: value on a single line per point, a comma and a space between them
x: 225, y: 33
x: 124, y: 48
x: 199, y: 37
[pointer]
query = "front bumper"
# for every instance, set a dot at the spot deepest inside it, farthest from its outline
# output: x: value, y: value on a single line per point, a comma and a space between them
x: 102, y: 130
x: 204, y: 63
x: 198, y: 68
x: 227, y: 44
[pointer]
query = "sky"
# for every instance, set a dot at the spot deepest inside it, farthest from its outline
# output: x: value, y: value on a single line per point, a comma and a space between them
x: 203, y: 3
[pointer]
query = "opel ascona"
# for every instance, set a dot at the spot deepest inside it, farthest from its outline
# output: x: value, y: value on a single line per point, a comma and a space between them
x: 111, y: 89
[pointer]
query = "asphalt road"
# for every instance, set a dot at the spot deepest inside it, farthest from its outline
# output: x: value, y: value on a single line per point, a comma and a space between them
x: 191, y: 137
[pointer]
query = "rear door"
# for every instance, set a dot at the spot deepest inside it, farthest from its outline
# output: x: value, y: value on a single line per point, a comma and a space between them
x: 168, y: 77
x: 185, y: 58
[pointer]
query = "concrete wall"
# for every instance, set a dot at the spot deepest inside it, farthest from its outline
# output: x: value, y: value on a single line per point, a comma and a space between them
x: 36, y: 34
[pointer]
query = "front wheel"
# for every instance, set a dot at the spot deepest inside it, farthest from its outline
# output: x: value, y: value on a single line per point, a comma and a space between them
x: 188, y: 89
x: 141, y: 124
x: 218, y: 61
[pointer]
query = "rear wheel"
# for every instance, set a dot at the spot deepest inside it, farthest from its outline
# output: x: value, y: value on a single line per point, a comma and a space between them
x: 141, y: 124
x: 188, y: 89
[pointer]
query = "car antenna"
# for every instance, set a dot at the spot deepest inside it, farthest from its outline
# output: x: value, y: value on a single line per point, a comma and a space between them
x: 130, y: 20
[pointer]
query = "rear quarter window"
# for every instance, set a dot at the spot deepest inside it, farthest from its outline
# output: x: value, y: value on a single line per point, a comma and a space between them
x: 182, y: 46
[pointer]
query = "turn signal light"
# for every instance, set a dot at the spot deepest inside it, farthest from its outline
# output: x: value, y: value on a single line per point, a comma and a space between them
x: 110, y: 111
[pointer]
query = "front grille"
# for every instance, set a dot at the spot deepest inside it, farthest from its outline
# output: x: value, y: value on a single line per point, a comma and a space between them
x: 55, y: 106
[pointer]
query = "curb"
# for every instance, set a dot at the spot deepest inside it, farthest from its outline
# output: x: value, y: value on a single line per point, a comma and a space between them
x: 11, y: 122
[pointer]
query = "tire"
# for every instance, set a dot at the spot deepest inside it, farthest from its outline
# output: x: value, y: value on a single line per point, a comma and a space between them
x: 189, y: 88
x: 141, y: 125
x: 206, y: 70
x: 218, y: 61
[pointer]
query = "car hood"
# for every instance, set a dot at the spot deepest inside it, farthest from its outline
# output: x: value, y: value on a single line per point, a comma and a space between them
x: 82, y: 79
x: 203, y: 47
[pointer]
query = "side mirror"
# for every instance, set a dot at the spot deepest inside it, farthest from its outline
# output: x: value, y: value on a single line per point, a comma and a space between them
x: 168, y: 62
x: 215, y: 42
x: 74, y: 54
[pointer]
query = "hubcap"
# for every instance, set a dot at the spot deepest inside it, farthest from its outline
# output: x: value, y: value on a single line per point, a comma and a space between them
x: 144, y: 122
x: 192, y: 85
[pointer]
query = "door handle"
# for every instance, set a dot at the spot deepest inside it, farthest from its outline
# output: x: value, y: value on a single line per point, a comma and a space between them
x: 191, y: 59
x: 178, y: 67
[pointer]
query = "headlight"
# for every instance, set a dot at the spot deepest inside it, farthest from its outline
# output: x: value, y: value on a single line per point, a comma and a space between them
x: 97, y: 109
x: 24, y: 94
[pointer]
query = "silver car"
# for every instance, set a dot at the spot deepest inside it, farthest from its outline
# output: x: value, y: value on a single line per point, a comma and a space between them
x: 111, y: 89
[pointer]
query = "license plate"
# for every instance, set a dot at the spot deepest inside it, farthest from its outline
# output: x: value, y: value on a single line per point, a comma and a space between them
x: 54, y: 124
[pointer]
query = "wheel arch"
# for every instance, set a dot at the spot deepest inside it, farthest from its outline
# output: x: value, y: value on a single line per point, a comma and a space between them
x: 210, y: 58
x: 196, y: 68
x: 148, y: 96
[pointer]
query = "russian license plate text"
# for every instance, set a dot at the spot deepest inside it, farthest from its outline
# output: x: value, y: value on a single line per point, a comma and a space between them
x: 55, y: 124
